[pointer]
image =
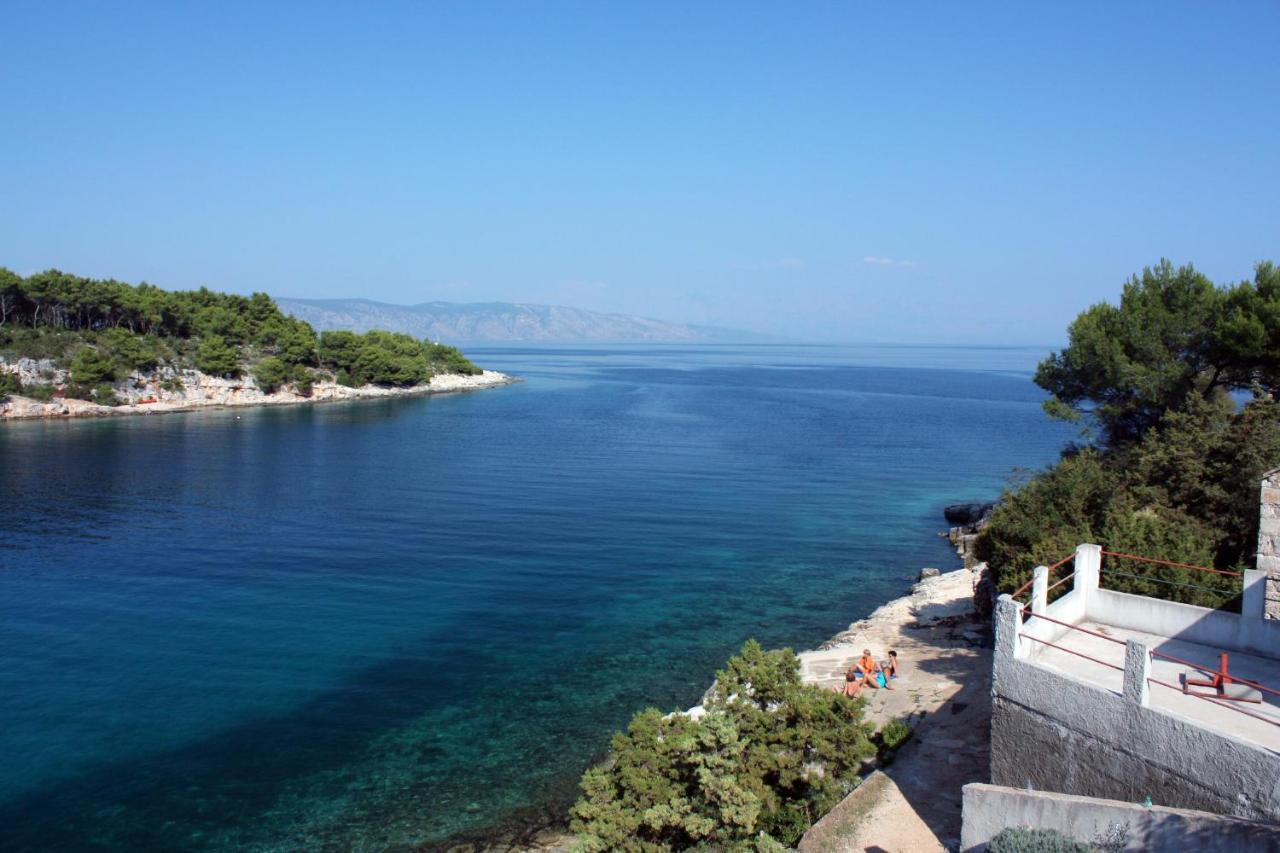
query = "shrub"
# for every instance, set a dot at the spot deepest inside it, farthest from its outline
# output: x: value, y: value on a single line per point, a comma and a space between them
x: 303, y: 379
x: 9, y: 384
x: 40, y: 392
x: 91, y: 366
x: 894, y: 734
x: 1023, y: 840
x: 770, y: 756
x: 131, y: 352
x: 271, y: 373
x: 216, y: 357
x: 346, y: 379
x: 173, y: 385
x: 104, y: 395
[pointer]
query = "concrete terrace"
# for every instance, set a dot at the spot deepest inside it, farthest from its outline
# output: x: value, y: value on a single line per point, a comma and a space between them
x: 1220, y: 716
x: 1087, y: 701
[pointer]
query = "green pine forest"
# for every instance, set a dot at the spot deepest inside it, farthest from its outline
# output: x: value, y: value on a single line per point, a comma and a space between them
x: 103, y: 330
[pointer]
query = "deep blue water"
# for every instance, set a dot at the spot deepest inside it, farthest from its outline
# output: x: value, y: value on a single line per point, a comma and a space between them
x: 379, y: 624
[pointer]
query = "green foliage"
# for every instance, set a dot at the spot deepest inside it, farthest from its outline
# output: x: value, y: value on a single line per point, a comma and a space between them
x: 91, y: 366
x: 271, y: 373
x: 1173, y: 336
x: 104, y: 395
x: 1176, y: 478
x: 447, y: 359
x: 894, y: 734
x: 1022, y: 840
x: 769, y: 757
x: 9, y: 384
x: 218, y: 358
x: 131, y: 352
x: 173, y: 385
x: 52, y: 314
x: 303, y: 379
x: 40, y: 392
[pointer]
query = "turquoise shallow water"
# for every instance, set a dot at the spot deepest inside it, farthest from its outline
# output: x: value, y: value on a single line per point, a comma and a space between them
x: 385, y: 624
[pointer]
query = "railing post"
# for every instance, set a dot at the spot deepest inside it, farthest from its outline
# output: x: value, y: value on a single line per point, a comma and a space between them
x: 1088, y: 567
x: 1008, y: 624
x: 1254, y: 605
x: 1137, y: 669
x: 1039, y: 589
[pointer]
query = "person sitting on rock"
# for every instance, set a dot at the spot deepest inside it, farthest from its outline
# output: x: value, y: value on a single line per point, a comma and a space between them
x: 853, y: 679
x: 889, y: 666
x: 873, y: 675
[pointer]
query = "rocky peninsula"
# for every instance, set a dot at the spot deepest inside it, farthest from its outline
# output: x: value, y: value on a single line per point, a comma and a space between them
x: 172, y: 390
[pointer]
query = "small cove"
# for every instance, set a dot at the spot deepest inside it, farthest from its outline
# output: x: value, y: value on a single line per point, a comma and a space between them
x: 379, y: 624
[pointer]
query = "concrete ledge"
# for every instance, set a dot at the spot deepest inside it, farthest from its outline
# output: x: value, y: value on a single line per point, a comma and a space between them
x: 988, y: 809
x: 876, y: 816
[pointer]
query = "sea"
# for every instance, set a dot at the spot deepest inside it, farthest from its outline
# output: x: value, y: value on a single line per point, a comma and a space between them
x: 404, y: 624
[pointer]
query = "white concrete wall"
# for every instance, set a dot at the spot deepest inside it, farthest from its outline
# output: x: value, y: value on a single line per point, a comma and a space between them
x: 988, y: 809
x: 1054, y: 732
x: 1217, y: 628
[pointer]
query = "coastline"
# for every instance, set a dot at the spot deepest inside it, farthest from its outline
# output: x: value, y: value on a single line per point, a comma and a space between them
x: 201, y: 391
x: 943, y: 644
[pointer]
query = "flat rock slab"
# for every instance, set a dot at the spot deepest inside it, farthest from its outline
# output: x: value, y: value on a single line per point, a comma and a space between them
x: 876, y: 816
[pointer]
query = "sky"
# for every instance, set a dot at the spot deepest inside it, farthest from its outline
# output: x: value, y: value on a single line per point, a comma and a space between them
x: 852, y: 171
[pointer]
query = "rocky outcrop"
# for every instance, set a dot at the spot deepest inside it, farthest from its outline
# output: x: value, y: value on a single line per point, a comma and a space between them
x: 967, y: 513
x: 170, y: 390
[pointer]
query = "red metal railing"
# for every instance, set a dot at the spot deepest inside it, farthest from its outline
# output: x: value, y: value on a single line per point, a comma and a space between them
x: 1067, y: 559
x: 1171, y: 563
x: 1027, y: 612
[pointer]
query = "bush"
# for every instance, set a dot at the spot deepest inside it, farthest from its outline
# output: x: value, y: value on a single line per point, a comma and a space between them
x: 39, y: 392
x: 769, y: 757
x: 1024, y: 840
x: 9, y: 384
x: 91, y: 366
x: 271, y: 373
x: 303, y: 379
x: 173, y: 385
x: 894, y: 734
x: 104, y: 395
x: 216, y: 357
x: 345, y: 379
x: 131, y: 352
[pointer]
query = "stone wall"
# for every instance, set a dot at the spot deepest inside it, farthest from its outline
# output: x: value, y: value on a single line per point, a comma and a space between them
x: 1269, y: 540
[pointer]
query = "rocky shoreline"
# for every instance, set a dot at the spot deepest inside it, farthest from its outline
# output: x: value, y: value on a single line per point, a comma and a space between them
x: 169, y: 390
x: 943, y: 640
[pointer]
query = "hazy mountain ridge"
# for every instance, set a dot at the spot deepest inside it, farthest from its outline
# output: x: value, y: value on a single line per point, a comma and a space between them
x: 502, y: 322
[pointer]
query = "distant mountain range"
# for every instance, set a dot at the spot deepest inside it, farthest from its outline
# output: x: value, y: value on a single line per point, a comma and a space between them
x: 503, y: 322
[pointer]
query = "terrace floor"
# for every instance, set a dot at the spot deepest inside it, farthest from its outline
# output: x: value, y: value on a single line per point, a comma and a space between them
x: 1225, y: 717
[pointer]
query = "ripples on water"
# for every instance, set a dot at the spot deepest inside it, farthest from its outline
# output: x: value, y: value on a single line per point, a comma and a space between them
x: 381, y: 624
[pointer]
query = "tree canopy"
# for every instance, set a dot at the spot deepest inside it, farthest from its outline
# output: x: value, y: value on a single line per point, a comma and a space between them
x: 1175, y: 472
x: 105, y: 330
x: 1173, y: 334
x: 770, y: 756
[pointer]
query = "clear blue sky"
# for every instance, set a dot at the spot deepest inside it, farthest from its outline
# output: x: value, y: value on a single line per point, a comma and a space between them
x: 831, y: 171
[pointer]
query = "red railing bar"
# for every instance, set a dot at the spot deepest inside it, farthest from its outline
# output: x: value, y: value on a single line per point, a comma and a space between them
x: 1215, y: 701
x: 1074, y: 627
x: 1071, y: 652
x: 1209, y: 671
x: 1170, y: 563
x: 1060, y: 583
x: 1026, y: 586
